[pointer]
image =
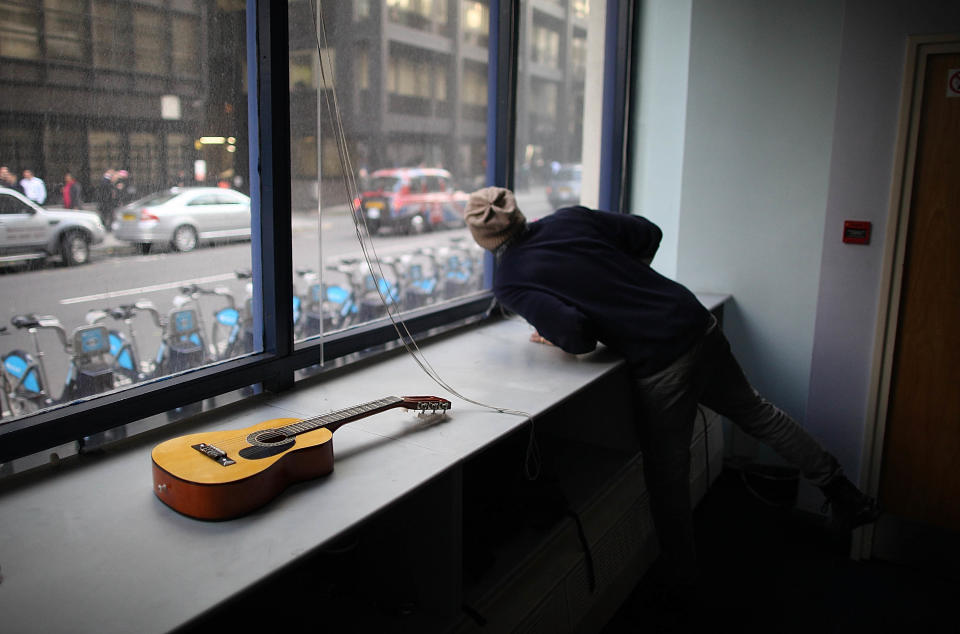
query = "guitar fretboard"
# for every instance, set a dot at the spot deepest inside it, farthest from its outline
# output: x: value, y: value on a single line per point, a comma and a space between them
x: 339, y: 416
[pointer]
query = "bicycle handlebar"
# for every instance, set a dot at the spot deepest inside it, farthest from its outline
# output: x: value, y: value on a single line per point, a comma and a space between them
x: 147, y: 305
x: 41, y: 321
x: 192, y: 290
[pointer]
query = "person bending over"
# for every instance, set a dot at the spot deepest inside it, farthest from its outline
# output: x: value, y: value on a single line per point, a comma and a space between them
x: 582, y: 276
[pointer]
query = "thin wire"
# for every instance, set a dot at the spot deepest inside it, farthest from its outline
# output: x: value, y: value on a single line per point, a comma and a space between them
x: 364, y: 238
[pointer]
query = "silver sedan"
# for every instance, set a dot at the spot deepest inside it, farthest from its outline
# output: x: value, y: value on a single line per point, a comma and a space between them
x: 183, y: 217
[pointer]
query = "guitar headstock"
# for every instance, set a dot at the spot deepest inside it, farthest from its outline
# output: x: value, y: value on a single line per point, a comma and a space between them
x: 425, y: 403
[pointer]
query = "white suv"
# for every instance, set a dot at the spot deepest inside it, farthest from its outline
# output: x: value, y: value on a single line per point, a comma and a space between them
x: 31, y: 232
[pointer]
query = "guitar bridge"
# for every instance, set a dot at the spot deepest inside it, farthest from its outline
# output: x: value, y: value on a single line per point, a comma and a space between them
x: 217, y: 455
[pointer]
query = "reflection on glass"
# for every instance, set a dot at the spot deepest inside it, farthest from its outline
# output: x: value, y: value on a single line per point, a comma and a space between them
x: 131, y: 121
x: 413, y: 116
x: 550, y: 100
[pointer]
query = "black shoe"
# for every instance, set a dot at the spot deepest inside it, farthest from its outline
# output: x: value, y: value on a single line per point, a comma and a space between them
x: 849, y: 506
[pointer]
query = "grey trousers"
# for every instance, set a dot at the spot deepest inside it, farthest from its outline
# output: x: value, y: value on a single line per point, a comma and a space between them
x: 666, y: 409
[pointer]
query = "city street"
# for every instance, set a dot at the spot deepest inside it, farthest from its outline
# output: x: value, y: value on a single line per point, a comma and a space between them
x: 118, y: 275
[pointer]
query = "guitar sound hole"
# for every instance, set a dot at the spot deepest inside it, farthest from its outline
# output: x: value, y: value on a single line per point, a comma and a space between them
x: 272, y: 437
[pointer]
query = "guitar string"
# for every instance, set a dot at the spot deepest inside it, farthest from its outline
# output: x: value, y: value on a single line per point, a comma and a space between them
x: 239, y: 442
x: 341, y: 416
x: 532, y: 462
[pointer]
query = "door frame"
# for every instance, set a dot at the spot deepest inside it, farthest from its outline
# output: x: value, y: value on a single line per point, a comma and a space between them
x: 919, y: 49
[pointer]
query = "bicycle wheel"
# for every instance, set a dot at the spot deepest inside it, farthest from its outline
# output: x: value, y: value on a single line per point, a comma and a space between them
x: 17, y: 406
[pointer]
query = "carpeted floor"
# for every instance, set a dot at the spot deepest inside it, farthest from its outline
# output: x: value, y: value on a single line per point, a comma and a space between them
x: 773, y: 570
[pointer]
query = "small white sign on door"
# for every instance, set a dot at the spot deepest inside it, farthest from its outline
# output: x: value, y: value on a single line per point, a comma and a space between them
x: 953, y: 82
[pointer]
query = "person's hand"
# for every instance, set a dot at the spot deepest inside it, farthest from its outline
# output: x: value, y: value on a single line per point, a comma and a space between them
x: 537, y: 338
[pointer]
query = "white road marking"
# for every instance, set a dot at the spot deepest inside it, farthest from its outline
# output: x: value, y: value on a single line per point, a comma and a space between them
x: 148, y: 289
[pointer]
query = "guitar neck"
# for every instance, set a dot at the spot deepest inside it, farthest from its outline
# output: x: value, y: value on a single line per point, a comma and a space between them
x: 334, y: 420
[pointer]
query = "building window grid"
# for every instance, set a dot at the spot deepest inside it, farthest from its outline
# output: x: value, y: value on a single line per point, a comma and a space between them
x: 552, y: 45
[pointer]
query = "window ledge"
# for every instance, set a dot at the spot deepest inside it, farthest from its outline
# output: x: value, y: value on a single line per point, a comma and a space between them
x: 89, y: 547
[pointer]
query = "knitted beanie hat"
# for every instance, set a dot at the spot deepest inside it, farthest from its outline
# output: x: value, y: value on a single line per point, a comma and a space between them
x: 493, y: 216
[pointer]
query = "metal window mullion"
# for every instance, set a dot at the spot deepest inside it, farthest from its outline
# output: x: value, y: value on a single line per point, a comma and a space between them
x: 269, y: 129
x: 502, y: 91
x: 501, y: 102
x: 618, y: 51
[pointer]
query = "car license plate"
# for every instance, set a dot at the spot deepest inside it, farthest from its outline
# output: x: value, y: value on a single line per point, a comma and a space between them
x: 374, y: 204
x: 129, y: 216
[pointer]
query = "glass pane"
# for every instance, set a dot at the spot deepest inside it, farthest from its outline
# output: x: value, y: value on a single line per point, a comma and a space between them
x: 412, y: 110
x: 476, y: 22
x: 110, y: 25
x: 423, y: 15
x: 150, y: 44
x: 554, y: 40
x: 19, y: 31
x: 186, y: 46
x: 66, y: 29
x: 139, y: 110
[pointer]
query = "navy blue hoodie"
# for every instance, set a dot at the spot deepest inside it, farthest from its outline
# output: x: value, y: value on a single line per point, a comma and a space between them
x: 581, y: 276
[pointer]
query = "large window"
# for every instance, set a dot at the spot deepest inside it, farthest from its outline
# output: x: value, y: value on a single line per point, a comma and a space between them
x: 143, y: 270
x: 396, y: 171
x: 183, y: 280
x: 550, y: 105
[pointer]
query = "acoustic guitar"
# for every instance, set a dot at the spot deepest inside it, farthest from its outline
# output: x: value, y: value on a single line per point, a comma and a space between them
x: 226, y: 474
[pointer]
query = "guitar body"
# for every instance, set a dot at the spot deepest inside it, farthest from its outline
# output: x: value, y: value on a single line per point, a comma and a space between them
x: 225, y: 474
x: 192, y: 483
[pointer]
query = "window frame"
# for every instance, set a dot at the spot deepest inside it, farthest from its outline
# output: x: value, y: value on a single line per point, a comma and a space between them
x: 269, y: 131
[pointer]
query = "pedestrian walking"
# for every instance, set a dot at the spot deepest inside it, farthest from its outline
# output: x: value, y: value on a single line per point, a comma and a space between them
x: 72, y: 192
x: 107, y: 196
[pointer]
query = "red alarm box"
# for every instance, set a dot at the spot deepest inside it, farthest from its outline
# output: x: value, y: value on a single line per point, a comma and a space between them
x: 856, y: 232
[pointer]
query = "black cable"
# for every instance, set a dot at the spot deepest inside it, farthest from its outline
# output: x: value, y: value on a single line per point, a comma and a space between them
x: 706, y: 444
x: 587, y: 553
